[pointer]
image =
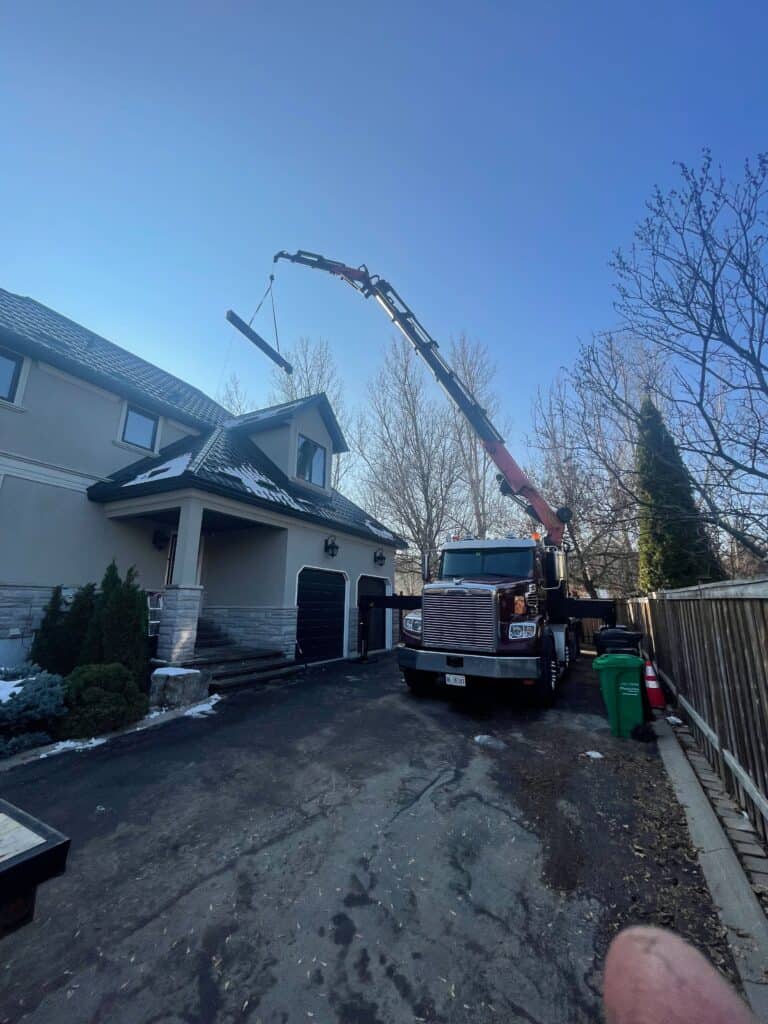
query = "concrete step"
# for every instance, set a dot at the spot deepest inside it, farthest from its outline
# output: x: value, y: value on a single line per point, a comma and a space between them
x: 233, y: 669
x: 229, y: 653
x: 237, y: 682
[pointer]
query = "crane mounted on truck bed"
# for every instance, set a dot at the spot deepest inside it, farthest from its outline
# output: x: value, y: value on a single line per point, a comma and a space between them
x: 513, y: 619
x: 513, y: 480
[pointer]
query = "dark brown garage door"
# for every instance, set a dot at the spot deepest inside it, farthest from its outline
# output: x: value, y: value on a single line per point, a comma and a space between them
x: 320, y: 628
x: 369, y: 586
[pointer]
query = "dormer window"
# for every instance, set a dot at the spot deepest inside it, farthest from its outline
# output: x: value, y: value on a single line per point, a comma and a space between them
x: 140, y: 428
x: 310, y: 462
x: 10, y: 373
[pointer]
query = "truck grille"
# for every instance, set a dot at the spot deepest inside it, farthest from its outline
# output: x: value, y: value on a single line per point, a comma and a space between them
x: 463, y: 620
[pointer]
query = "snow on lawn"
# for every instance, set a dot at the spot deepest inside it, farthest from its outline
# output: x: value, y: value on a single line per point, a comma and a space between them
x: 77, y: 745
x: 8, y: 688
x: 204, y: 708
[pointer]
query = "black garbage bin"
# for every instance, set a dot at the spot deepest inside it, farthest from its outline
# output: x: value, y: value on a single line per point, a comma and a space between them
x: 617, y: 640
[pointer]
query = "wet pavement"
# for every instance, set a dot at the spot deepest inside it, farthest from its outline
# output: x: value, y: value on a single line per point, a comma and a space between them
x: 331, y: 849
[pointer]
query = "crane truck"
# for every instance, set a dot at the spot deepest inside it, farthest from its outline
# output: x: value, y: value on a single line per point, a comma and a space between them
x: 499, y: 609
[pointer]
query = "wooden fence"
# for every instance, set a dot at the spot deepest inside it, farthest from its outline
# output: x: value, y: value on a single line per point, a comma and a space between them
x: 710, y: 644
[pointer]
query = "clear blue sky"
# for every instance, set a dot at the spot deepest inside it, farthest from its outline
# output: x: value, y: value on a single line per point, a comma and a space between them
x: 484, y: 157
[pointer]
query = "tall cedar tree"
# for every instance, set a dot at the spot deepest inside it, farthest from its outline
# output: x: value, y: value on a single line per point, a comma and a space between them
x: 74, y: 628
x: 92, y: 650
x: 674, y: 547
x: 124, y: 627
x: 45, y: 646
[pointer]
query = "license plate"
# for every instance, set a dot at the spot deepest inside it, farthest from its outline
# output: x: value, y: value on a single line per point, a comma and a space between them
x: 454, y: 680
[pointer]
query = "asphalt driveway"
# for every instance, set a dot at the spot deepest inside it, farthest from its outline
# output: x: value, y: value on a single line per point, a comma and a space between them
x: 331, y: 849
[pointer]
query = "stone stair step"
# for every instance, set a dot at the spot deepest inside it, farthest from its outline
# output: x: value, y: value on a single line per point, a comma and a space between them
x: 232, y: 669
x: 285, y: 667
x: 230, y: 652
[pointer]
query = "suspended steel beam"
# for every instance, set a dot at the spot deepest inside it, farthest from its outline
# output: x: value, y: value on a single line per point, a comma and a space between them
x: 258, y: 341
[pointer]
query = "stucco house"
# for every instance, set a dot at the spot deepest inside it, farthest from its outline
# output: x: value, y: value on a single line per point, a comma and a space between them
x: 232, y: 522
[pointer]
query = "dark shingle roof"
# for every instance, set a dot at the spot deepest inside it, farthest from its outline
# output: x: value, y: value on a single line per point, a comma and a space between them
x: 225, y: 462
x: 54, y: 338
x: 274, y: 415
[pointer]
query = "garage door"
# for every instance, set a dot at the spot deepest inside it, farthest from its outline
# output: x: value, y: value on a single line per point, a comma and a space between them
x: 320, y: 628
x: 369, y: 586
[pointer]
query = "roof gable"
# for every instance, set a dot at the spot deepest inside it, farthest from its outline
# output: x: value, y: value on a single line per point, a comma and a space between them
x: 278, y: 415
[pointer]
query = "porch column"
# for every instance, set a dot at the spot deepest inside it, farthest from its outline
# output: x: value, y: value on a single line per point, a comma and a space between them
x: 188, y: 543
x: 182, y: 599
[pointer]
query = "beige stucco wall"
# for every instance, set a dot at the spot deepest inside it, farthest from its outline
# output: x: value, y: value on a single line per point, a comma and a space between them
x: 71, y: 424
x: 51, y: 535
x: 244, y: 567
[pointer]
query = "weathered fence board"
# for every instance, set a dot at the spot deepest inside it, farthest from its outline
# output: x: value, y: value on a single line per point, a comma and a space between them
x: 711, y: 642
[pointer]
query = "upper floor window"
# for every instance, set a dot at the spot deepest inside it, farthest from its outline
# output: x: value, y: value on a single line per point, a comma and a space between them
x: 10, y: 372
x: 140, y: 428
x: 310, y: 463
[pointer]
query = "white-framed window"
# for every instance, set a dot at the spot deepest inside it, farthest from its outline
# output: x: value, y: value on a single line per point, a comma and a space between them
x: 311, y: 461
x: 140, y: 428
x: 11, y: 365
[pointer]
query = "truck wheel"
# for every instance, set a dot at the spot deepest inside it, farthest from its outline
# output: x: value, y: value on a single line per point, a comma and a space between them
x: 543, y: 691
x: 571, y: 650
x: 419, y: 683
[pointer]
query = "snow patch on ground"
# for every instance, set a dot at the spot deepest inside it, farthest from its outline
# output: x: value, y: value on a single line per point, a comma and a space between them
x: 674, y: 720
x: 78, y: 745
x: 8, y: 688
x: 490, y: 741
x: 204, y: 708
x: 171, y: 670
x: 594, y: 754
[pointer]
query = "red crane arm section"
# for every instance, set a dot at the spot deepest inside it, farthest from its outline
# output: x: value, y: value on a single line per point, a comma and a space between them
x: 523, y: 488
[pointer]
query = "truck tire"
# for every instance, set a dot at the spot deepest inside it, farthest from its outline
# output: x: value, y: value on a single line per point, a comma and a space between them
x: 572, y: 649
x: 419, y: 683
x: 544, y: 690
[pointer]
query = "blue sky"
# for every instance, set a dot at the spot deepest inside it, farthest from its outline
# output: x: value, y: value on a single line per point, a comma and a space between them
x: 486, y: 158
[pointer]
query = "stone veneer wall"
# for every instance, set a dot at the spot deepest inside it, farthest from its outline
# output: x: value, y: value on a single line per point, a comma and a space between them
x: 178, y: 623
x: 256, y: 627
x: 22, y: 607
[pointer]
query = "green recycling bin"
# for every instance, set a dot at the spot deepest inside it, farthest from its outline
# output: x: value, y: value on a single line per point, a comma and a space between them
x: 621, y: 682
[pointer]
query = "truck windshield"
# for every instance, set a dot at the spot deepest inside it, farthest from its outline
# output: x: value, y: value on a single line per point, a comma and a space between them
x: 471, y: 563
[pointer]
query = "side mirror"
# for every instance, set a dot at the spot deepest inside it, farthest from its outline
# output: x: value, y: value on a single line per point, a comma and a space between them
x: 425, y: 566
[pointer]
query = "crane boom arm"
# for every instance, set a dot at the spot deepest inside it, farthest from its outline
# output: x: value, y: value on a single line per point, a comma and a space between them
x: 518, y: 484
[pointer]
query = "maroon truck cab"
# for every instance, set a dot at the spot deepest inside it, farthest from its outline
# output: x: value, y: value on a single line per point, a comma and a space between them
x: 486, y: 618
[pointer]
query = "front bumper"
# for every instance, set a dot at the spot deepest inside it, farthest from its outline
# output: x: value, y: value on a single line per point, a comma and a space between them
x: 467, y: 664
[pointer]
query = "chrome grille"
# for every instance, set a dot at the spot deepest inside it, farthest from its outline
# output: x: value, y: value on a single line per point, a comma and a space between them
x: 459, y: 620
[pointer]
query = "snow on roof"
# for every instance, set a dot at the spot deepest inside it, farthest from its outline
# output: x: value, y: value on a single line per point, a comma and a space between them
x: 173, y: 467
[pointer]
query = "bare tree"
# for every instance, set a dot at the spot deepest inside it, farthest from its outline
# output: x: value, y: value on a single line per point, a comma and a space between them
x: 408, y: 470
x: 695, y: 287
x: 314, y: 371
x: 479, y: 509
x: 233, y: 396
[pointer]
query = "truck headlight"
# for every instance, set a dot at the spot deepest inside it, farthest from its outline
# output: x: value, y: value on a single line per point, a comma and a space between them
x: 412, y: 622
x: 522, y: 630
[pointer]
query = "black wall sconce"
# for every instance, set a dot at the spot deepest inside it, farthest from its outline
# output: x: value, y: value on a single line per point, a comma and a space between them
x: 160, y: 539
x: 379, y: 558
x: 331, y: 547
